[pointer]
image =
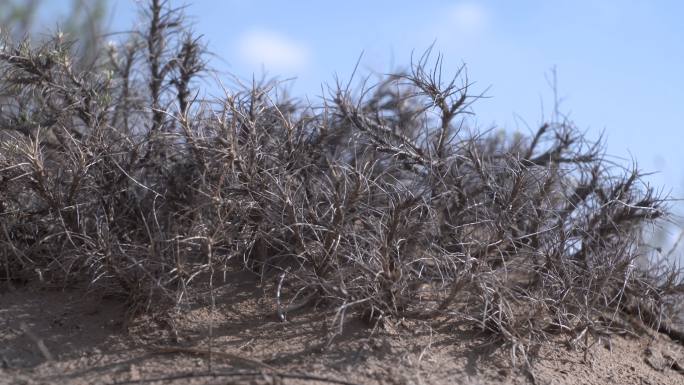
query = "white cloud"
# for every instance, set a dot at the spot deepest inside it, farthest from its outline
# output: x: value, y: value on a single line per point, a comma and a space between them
x: 462, y: 27
x: 273, y: 51
x: 460, y: 23
x: 467, y: 17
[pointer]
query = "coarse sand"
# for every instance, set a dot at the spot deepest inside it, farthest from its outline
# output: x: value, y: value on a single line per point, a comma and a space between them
x: 67, y: 336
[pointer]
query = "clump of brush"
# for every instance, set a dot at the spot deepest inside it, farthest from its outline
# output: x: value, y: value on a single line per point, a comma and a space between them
x: 381, y: 201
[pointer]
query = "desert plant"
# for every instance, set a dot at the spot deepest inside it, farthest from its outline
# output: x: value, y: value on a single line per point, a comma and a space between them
x: 382, y: 202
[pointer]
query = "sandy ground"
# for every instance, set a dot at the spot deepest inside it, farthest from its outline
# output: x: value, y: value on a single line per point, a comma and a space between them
x: 51, y: 336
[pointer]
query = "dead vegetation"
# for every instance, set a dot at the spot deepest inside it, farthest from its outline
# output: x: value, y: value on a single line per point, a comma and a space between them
x: 379, y: 201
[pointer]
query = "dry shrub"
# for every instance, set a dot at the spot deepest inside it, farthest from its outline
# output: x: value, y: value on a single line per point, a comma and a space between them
x: 379, y: 201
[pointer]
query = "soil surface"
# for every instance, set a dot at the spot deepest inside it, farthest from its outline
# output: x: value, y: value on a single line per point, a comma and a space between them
x: 67, y: 336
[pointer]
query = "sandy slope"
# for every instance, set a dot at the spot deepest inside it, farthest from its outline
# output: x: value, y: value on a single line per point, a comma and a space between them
x: 50, y: 336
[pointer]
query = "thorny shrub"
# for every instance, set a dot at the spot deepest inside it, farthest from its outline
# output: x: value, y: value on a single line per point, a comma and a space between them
x: 380, y: 201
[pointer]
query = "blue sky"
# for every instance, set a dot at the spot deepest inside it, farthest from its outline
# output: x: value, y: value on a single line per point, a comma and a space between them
x: 620, y: 64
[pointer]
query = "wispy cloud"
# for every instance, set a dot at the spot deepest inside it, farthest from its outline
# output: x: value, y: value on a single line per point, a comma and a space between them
x: 460, y: 28
x: 272, y: 50
x: 461, y: 23
x: 467, y: 17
